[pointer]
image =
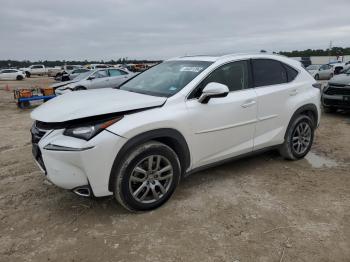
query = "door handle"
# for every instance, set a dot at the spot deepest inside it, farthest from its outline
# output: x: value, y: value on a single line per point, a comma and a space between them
x: 293, y: 92
x: 248, y: 104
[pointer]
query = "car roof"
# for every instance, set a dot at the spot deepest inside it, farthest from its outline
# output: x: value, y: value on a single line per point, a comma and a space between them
x: 237, y: 56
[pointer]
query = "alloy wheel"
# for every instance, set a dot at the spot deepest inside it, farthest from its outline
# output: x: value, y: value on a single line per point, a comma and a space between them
x: 151, y: 179
x: 301, y: 137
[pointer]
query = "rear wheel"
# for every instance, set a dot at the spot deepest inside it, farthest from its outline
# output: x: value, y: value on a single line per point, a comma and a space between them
x: 28, y: 74
x: 19, y: 77
x: 147, y: 176
x: 317, y: 77
x: 299, y: 138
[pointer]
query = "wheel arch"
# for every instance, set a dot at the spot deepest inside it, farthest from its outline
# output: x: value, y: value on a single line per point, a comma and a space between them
x: 309, y: 110
x: 168, y: 136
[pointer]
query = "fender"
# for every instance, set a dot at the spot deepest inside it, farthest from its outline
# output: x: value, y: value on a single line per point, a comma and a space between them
x: 305, y: 109
x: 168, y: 136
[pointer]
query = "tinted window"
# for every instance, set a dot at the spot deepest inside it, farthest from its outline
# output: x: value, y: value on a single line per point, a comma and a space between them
x: 268, y: 72
x: 291, y: 72
x: 37, y: 67
x: 234, y: 75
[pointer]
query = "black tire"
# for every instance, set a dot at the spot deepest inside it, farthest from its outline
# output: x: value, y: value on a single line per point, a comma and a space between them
x: 330, y: 109
x: 287, y: 149
x: 317, y: 77
x: 28, y: 74
x: 122, y: 186
x: 23, y: 105
x: 19, y: 78
x: 331, y: 75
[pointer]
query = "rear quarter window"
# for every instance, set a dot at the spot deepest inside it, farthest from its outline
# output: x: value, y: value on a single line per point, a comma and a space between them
x: 268, y: 72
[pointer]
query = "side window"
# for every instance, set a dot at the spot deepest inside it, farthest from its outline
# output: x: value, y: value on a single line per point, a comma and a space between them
x: 37, y: 67
x: 234, y: 75
x: 122, y: 72
x: 114, y: 72
x: 291, y: 72
x: 268, y: 72
x: 101, y: 74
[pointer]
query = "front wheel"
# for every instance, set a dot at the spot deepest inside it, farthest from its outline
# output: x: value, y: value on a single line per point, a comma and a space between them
x: 299, y: 138
x: 317, y: 77
x: 19, y: 77
x: 147, y: 176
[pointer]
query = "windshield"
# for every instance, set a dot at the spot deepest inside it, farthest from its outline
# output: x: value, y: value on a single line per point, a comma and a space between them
x: 83, y: 75
x: 165, y: 79
x: 313, y: 67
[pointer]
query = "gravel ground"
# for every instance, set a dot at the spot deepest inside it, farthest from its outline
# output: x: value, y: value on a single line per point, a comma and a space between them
x: 261, y: 208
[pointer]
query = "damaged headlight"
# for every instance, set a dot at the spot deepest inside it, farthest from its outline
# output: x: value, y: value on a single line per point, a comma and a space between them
x: 88, y: 131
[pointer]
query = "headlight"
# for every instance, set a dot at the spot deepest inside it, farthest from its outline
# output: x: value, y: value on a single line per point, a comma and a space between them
x: 88, y: 131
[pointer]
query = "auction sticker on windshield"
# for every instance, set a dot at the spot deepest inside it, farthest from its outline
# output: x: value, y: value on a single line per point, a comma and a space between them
x: 195, y: 69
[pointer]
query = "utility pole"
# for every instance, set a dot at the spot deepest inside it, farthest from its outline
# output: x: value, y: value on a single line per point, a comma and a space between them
x: 330, y: 51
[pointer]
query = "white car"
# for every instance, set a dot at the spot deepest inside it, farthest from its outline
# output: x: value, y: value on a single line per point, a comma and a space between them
x: 185, y: 114
x: 12, y: 74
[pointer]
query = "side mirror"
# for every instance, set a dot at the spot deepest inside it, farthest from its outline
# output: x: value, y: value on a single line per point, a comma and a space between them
x: 213, y: 90
x: 91, y: 77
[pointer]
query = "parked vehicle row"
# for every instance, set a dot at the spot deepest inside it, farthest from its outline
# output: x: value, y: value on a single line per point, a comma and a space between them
x: 326, y: 71
x: 138, y: 141
x: 93, y: 79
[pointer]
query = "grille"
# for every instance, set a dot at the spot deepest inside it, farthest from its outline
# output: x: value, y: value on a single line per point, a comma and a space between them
x: 338, y: 90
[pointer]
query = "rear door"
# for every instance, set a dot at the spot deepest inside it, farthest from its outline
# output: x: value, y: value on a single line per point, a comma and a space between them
x: 101, y: 79
x: 274, y: 86
x: 224, y: 127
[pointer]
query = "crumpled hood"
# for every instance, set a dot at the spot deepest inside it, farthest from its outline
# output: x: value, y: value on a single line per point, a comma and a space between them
x: 59, y: 84
x: 342, y: 79
x: 82, y: 104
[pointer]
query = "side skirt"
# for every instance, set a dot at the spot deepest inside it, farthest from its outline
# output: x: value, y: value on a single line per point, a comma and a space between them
x: 231, y: 159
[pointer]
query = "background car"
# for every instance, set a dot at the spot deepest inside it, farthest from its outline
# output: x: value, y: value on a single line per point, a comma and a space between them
x: 100, y: 78
x: 312, y: 69
x: 74, y: 73
x: 327, y: 71
x: 336, y: 95
x: 12, y: 74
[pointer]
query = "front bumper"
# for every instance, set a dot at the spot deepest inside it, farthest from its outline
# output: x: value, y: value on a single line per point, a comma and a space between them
x: 70, y: 162
x: 338, y: 101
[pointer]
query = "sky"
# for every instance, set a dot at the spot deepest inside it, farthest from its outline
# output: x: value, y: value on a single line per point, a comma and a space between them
x: 160, y: 29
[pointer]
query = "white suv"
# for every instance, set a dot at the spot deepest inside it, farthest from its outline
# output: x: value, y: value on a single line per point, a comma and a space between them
x: 185, y: 114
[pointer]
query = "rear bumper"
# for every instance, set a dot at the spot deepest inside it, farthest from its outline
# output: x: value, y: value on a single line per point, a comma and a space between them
x: 338, y: 101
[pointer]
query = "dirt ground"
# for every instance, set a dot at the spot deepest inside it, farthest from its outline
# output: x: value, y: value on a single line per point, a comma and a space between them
x: 261, y: 208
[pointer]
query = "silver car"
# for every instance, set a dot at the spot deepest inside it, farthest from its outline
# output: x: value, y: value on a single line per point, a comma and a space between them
x: 74, y: 73
x: 100, y: 78
x: 327, y: 71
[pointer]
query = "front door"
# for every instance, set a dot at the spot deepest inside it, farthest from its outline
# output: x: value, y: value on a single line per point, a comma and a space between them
x: 224, y: 127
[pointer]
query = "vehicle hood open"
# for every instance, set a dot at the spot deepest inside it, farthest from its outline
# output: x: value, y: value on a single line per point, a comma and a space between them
x: 83, y: 104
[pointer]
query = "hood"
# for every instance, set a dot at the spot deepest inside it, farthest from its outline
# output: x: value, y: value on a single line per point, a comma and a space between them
x: 82, y: 104
x: 342, y: 79
x: 59, y: 84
